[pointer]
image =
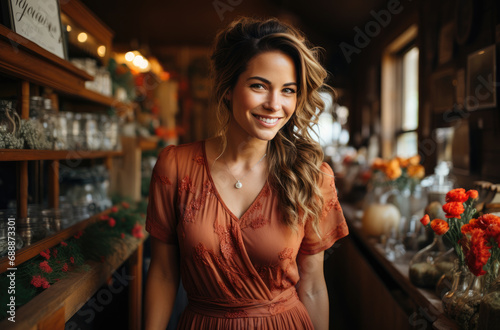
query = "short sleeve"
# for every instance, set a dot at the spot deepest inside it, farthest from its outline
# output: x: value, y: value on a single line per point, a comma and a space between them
x: 332, y: 225
x: 161, y: 220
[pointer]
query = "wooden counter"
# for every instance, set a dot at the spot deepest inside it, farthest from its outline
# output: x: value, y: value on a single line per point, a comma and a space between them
x: 374, y: 292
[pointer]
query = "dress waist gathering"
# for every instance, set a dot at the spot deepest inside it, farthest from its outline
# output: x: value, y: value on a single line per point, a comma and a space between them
x: 285, y: 301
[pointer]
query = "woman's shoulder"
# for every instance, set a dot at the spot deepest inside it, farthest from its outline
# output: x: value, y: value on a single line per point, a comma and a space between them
x: 181, y: 149
x: 177, y: 155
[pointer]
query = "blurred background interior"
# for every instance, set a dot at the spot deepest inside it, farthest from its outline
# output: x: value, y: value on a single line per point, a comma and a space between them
x: 416, y: 82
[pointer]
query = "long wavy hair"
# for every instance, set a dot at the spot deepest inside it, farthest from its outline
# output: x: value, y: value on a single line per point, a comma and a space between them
x: 294, y: 157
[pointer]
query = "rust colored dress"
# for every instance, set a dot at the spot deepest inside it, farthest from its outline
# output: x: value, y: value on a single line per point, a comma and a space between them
x: 238, y: 273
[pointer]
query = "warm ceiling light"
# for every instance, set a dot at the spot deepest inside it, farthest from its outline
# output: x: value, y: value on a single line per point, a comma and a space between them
x: 101, y: 51
x: 144, y: 64
x: 68, y: 28
x: 129, y: 56
x: 138, y: 61
x: 82, y: 37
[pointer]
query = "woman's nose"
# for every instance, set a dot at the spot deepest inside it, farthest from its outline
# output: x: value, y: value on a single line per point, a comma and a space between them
x: 273, y: 101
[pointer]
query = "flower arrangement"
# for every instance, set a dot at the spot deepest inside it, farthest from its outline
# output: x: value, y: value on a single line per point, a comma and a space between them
x: 399, y: 172
x: 475, y: 238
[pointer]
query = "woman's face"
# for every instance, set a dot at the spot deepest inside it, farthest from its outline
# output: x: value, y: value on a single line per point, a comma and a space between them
x: 265, y: 95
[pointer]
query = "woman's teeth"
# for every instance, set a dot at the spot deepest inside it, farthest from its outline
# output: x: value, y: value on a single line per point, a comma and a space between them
x: 268, y: 120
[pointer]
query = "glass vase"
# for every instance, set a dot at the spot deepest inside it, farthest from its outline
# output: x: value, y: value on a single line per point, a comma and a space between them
x: 429, y: 264
x: 461, y: 278
x: 489, y: 309
x: 467, y: 315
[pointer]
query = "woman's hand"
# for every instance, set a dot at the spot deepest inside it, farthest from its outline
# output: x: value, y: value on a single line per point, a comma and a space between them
x: 162, y: 284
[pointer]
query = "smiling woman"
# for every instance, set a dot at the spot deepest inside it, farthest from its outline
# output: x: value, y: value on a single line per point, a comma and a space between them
x: 245, y: 216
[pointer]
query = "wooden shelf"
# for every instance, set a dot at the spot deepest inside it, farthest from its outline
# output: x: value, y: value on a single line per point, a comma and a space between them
x: 30, y: 251
x: 146, y: 144
x: 67, y: 296
x: 29, y: 154
x: 21, y: 58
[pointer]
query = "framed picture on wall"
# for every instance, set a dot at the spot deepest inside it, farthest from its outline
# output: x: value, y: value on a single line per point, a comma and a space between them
x: 38, y: 21
x: 481, y: 79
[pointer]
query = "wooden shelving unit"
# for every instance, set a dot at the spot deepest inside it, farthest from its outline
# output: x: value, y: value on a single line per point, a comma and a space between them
x: 26, y: 155
x: 27, y: 65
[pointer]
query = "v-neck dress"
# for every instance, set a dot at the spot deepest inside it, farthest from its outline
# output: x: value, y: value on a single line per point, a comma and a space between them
x: 238, y: 273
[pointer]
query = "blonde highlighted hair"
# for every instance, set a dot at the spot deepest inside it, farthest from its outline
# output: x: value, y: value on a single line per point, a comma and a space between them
x: 294, y: 157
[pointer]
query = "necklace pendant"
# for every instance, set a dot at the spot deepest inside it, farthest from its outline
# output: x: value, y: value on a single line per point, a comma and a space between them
x: 238, y: 184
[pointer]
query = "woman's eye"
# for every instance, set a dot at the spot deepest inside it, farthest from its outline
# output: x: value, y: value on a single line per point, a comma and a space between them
x: 289, y: 91
x: 257, y: 86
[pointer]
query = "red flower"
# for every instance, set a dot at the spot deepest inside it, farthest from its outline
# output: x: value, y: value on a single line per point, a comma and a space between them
x: 457, y: 195
x: 36, y: 281
x: 65, y: 267
x: 45, y: 254
x: 114, y: 209
x: 439, y: 226
x: 137, y: 231
x: 425, y: 220
x: 111, y: 222
x: 477, y: 252
x: 45, y: 283
x: 105, y: 217
x: 472, y: 194
x: 79, y: 234
x: 63, y: 243
x: 125, y: 205
x: 54, y: 252
x: 44, y: 266
x: 72, y: 260
x: 122, y: 235
x: 453, y: 209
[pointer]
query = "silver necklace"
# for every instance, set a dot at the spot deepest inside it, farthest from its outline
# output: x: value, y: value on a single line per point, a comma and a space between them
x: 238, y: 183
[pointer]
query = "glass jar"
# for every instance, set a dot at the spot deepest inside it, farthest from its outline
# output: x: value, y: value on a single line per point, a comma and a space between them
x: 33, y: 129
x: 62, y: 132
x: 91, y: 132
x: 10, y: 127
x: 31, y: 229
x: 429, y: 264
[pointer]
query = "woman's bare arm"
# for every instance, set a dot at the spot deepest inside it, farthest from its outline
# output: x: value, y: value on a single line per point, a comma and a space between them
x: 312, y: 289
x: 162, y: 284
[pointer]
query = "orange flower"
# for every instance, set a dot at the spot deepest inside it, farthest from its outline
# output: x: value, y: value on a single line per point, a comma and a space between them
x: 477, y: 252
x: 472, y: 194
x: 403, y: 162
x: 392, y: 170
x: 467, y: 228
x: 439, y: 226
x: 425, y: 220
x: 414, y: 160
x: 416, y: 171
x: 453, y: 209
x: 378, y: 164
x: 457, y: 195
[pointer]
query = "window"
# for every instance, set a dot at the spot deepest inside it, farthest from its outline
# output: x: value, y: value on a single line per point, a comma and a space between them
x: 406, y: 135
x: 400, y: 97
